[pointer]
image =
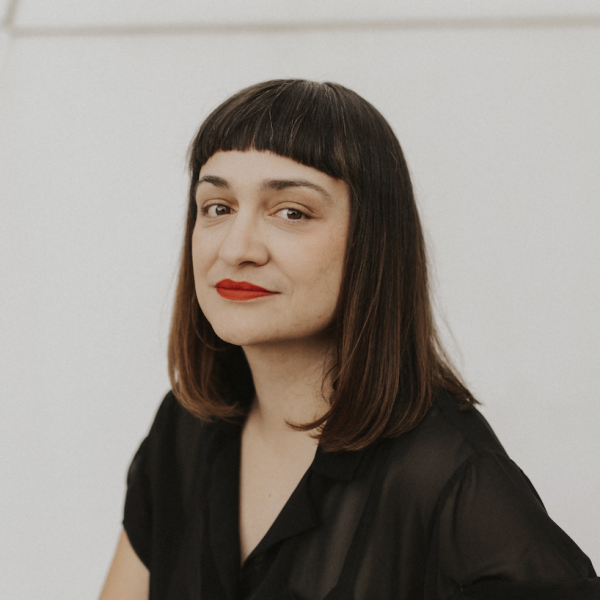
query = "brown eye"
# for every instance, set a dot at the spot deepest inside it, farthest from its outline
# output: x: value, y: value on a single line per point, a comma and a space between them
x: 292, y: 214
x: 216, y: 210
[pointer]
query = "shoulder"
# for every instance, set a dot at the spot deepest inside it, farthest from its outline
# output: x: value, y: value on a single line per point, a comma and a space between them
x: 445, y: 439
x: 448, y: 443
x: 177, y: 432
x: 177, y: 446
x: 174, y: 431
x: 163, y: 480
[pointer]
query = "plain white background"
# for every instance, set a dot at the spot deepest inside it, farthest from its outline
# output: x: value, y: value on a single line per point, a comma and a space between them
x: 496, y: 108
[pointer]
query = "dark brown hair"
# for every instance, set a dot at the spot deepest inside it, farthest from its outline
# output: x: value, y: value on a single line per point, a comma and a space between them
x: 388, y: 361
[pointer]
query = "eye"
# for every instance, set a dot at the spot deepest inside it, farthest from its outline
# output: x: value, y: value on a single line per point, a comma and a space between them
x: 215, y: 210
x: 292, y: 214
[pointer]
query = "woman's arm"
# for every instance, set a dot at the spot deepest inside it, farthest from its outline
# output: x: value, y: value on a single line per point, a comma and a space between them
x: 128, y: 578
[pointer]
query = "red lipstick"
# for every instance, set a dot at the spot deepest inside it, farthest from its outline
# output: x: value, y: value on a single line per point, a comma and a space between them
x: 240, y: 290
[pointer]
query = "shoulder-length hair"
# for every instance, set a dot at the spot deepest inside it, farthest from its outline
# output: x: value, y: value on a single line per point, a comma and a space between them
x: 388, y: 363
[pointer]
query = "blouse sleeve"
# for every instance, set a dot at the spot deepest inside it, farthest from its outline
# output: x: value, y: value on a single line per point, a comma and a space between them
x: 137, y: 517
x: 494, y: 540
x: 147, y: 476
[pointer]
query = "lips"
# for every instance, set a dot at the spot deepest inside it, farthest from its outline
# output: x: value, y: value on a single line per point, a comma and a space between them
x: 240, y: 290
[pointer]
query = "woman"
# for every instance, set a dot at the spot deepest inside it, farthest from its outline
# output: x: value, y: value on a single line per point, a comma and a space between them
x: 317, y: 443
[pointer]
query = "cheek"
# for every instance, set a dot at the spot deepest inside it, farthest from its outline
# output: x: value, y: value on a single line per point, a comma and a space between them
x: 201, y: 264
x: 196, y: 258
x: 201, y: 252
x: 336, y: 253
x: 322, y: 265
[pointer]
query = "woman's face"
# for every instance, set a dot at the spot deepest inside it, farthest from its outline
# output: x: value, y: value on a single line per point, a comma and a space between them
x: 268, y: 222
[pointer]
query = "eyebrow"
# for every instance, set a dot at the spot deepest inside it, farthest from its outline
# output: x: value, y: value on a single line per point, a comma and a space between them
x: 282, y: 184
x: 271, y: 184
x: 216, y: 181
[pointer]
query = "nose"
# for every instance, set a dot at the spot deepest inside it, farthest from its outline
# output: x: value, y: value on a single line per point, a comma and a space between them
x: 244, y: 242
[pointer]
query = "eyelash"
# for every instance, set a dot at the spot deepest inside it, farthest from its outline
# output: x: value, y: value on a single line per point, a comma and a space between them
x: 204, y: 210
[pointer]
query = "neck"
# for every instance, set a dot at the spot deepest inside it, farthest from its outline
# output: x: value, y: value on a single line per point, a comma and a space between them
x: 289, y: 380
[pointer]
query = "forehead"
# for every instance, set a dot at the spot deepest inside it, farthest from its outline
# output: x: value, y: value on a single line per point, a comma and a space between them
x: 255, y: 162
x: 267, y: 171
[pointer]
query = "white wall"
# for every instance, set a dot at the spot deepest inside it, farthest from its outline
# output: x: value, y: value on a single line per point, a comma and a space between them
x: 500, y: 124
x: 92, y: 13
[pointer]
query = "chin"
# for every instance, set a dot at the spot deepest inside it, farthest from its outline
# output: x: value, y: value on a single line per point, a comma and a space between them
x: 268, y: 337
x: 246, y: 334
x: 239, y: 334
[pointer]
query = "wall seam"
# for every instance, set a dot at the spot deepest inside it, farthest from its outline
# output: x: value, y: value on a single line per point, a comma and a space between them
x: 592, y: 21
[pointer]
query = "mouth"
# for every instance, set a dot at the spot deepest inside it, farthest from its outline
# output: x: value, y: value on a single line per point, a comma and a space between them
x: 240, y: 290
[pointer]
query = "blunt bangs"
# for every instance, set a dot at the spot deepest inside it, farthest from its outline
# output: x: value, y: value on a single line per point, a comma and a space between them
x: 301, y: 120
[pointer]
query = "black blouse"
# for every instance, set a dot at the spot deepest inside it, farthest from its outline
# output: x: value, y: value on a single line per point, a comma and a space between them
x: 439, y: 513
